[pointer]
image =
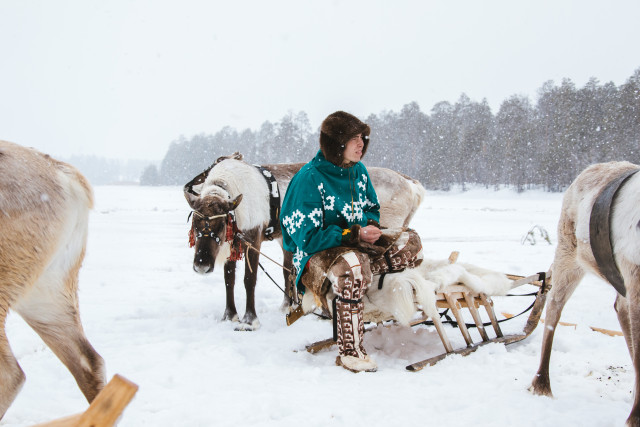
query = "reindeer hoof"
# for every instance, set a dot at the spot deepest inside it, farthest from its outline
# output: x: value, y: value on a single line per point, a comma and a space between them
x: 541, y: 388
x: 230, y: 317
x: 246, y: 326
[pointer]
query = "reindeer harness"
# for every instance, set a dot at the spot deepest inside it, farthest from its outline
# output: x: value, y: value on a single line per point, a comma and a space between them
x: 274, y: 203
x: 233, y: 235
x: 600, y: 232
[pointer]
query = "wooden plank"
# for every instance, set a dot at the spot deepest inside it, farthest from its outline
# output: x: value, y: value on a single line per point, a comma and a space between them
x: 519, y: 280
x: 452, y: 288
x: 105, y: 409
x: 607, y: 331
x: 454, y: 306
x: 317, y: 346
x: 443, y: 334
x: 109, y: 404
x: 488, y: 305
x: 575, y: 325
x: 443, y: 302
x: 470, y: 303
x: 471, y: 300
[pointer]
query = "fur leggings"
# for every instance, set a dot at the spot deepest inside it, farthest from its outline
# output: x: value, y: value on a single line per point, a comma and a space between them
x: 350, y: 278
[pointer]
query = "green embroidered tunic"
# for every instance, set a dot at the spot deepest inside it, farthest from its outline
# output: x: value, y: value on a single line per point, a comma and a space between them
x: 322, y: 201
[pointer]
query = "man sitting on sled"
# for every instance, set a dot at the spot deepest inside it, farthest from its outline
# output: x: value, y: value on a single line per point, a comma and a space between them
x: 330, y: 218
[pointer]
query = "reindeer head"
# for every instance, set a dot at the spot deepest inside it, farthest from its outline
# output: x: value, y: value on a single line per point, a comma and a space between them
x: 209, y: 226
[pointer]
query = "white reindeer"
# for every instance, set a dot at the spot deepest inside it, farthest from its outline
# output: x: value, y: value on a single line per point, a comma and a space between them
x: 44, y: 210
x: 574, y: 257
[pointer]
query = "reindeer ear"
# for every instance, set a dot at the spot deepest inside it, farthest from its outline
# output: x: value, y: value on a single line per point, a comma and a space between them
x: 191, y: 199
x: 235, y: 202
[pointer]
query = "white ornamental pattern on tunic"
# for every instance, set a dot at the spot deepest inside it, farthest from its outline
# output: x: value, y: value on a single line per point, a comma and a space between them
x: 328, y: 202
x: 363, y: 184
x: 298, y: 257
x: 351, y: 211
x: 294, y: 221
x: 364, y: 201
x: 317, y: 212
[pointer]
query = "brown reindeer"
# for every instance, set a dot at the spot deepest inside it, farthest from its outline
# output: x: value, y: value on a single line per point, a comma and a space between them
x: 598, y: 232
x: 44, y: 212
x: 232, y: 185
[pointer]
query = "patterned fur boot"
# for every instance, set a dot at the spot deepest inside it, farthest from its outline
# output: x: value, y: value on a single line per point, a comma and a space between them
x: 349, y: 309
x: 352, y: 355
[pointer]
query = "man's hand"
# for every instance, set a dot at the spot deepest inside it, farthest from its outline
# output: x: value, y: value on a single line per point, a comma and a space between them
x: 370, y: 234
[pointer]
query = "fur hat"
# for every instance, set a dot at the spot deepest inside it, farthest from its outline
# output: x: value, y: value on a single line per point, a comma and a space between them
x: 336, y: 130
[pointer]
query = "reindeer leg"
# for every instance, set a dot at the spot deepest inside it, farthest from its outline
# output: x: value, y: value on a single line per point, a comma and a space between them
x: 250, y: 320
x: 68, y: 341
x: 629, y: 318
x: 230, y: 312
x: 632, y: 334
x: 287, y: 262
x: 11, y: 375
x: 51, y: 309
x: 565, y: 278
x: 622, y: 310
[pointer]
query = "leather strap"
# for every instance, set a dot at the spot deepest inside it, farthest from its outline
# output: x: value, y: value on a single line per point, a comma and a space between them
x: 274, y: 202
x: 600, y: 232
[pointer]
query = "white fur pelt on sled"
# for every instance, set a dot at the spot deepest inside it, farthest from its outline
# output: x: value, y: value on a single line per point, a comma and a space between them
x: 396, y: 298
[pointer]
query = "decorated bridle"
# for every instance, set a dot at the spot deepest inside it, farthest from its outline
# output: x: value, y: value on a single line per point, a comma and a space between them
x: 206, y: 231
x: 231, y: 236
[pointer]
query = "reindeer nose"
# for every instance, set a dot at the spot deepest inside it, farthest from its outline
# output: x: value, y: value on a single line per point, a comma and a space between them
x: 202, y: 268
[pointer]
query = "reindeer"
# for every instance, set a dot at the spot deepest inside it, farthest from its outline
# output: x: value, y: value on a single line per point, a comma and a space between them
x: 598, y: 232
x: 44, y: 212
x: 233, y: 193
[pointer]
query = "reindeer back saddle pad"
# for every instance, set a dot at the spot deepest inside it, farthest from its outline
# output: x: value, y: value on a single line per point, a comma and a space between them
x: 600, y: 232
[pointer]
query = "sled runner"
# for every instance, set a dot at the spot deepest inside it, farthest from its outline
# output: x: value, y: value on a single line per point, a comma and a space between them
x: 456, y: 298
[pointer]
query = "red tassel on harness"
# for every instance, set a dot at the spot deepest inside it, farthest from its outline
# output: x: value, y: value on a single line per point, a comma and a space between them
x: 192, y: 236
x: 234, y: 240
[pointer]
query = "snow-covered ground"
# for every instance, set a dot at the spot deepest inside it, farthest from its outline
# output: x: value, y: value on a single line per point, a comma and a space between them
x: 157, y: 323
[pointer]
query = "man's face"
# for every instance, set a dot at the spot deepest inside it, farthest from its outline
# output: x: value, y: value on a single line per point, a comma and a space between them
x: 353, y: 149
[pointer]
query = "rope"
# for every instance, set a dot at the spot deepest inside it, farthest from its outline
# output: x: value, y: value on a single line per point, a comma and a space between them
x: 250, y: 246
x: 269, y: 276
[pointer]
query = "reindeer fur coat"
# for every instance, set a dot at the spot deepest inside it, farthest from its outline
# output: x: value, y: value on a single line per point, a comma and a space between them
x: 322, y: 203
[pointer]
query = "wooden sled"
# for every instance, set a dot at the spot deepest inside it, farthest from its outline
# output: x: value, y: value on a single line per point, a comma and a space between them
x: 455, y: 298
x: 105, y: 409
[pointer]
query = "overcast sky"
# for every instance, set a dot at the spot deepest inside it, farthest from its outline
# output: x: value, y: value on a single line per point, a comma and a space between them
x: 122, y: 79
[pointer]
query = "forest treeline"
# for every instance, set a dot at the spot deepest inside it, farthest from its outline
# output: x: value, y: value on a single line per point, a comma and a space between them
x: 104, y: 171
x: 523, y: 145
